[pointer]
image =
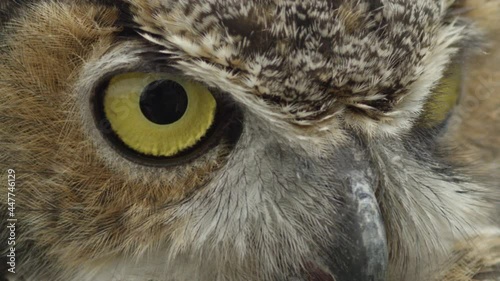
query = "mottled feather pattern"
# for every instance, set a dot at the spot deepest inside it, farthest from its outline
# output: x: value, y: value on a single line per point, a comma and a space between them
x: 312, y: 60
x: 325, y: 88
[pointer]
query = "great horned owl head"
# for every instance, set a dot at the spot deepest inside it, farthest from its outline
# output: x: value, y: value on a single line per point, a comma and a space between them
x: 265, y: 140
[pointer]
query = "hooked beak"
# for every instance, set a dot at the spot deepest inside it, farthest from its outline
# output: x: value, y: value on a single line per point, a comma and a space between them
x: 361, y: 254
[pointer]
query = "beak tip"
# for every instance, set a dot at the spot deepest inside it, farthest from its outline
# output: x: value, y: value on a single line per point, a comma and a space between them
x: 372, y: 230
x: 364, y: 252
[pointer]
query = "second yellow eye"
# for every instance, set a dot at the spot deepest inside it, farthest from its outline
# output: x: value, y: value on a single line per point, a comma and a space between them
x: 156, y: 114
x: 445, y: 97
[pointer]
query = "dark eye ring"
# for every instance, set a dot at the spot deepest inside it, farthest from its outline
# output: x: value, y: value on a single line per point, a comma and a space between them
x: 163, y: 120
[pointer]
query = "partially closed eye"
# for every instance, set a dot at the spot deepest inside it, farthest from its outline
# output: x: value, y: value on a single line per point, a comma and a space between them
x: 156, y: 114
x: 444, y: 98
x: 163, y: 119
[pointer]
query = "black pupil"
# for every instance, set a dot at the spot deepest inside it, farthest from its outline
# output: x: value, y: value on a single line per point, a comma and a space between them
x: 164, y: 102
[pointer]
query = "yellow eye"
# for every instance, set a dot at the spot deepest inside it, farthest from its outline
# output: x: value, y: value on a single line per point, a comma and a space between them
x: 445, y: 97
x: 158, y: 115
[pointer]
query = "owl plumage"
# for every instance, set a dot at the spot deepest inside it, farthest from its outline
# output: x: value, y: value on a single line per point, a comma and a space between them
x: 325, y: 166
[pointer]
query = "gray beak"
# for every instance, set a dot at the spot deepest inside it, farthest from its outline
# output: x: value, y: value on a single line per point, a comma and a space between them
x: 364, y: 254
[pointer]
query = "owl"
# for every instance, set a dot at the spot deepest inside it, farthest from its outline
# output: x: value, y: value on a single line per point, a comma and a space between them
x: 250, y: 140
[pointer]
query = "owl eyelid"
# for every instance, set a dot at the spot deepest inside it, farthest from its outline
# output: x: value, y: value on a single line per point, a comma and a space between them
x: 446, y: 96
